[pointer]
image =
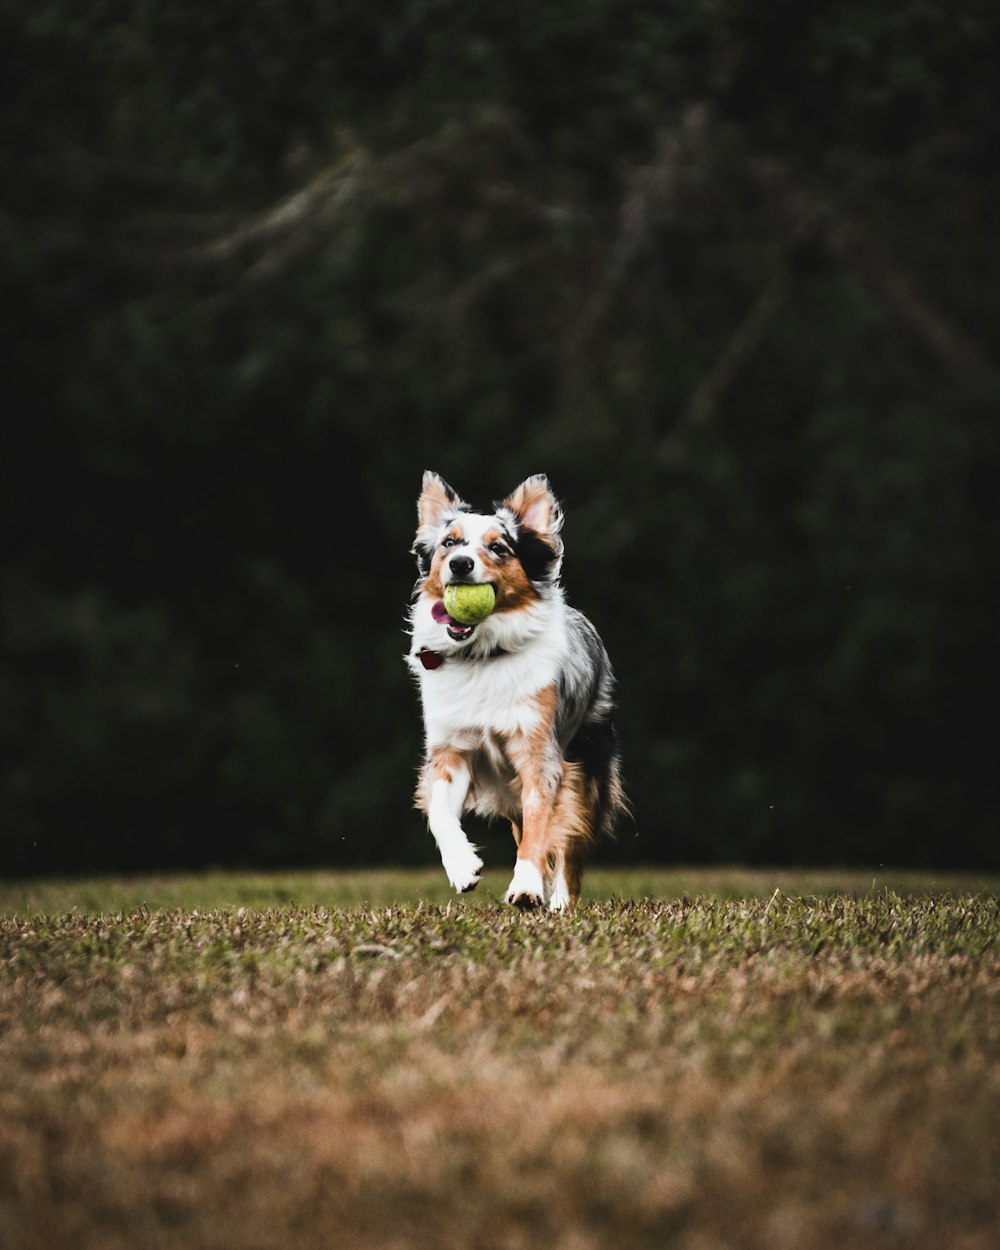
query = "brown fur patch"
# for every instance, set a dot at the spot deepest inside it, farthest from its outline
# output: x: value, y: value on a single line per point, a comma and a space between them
x: 513, y: 587
x: 440, y: 765
x: 547, y: 704
x: 553, y: 812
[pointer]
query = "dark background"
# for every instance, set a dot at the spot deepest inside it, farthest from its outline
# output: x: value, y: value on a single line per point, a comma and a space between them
x: 728, y: 273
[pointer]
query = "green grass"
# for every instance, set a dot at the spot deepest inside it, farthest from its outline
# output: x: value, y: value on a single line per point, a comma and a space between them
x: 393, y: 887
x: 689, y: 1059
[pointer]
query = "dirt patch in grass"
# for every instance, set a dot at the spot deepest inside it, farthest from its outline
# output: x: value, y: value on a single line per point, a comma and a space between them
x: 702, y: 1072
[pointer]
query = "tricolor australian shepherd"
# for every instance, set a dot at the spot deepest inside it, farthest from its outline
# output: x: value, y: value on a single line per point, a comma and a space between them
x: 517, y: 709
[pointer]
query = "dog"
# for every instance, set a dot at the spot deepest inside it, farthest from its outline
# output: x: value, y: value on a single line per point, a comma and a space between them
x: 518, y: 708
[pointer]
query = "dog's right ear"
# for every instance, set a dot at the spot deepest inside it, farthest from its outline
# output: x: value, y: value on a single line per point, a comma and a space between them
x: 437, y: 501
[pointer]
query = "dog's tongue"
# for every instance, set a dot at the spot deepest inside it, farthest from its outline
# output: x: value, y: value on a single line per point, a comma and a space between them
x: 440, y: 614
x: 455, y: 629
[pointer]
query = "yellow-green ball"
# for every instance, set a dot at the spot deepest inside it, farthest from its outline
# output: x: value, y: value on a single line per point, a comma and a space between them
x: 469, y: 604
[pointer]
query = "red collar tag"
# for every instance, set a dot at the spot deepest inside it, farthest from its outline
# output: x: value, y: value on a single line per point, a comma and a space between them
x: 430, y: 659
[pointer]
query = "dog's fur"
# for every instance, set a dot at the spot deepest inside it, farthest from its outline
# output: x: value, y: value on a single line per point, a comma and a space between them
x: 518, y: 709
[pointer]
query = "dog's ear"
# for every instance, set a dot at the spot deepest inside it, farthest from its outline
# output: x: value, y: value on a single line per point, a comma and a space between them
x: 536, y: 508
x: 436, y: 500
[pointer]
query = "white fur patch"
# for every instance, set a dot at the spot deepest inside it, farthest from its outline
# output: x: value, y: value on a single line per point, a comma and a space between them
x: 526, y: 887
x: 497, y: 693
x: 462, y: 866
x: 558, y: 892
x: 461, y: 863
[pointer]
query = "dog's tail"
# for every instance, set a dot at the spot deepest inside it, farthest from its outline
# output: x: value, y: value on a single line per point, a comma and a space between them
x: 595, y: 747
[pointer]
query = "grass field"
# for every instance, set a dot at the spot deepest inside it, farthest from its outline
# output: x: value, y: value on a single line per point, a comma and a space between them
x: 690, y: 1059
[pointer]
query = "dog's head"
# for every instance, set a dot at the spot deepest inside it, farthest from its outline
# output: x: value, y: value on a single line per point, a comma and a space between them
x: 516, y: 548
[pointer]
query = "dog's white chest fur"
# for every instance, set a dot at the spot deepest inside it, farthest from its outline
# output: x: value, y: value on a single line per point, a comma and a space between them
x: 496, y: 694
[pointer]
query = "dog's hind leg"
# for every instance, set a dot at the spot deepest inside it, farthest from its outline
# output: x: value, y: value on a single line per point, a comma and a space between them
x: 557, y: 895
x: 571, y: 833
x: 563, y: 889
x: 443, y: 791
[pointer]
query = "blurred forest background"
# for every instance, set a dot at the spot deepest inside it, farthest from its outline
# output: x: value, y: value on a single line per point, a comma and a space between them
x: 727, y: 272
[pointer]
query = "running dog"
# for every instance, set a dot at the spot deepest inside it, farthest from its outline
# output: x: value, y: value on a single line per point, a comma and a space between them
x: 518, y: 708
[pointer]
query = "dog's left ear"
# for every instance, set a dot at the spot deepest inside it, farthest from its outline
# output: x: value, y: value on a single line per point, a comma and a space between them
x: 535, y: 507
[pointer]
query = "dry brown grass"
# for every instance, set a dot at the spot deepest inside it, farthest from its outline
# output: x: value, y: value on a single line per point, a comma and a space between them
x: 786, y: 1072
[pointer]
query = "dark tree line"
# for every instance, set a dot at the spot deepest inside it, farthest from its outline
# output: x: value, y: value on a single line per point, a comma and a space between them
x: 726, y: 273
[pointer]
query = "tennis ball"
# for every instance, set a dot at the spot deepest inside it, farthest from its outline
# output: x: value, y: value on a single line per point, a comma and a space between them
x: 469, y: 604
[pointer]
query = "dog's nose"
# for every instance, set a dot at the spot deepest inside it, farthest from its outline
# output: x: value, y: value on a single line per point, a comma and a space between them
x: 461, y: 566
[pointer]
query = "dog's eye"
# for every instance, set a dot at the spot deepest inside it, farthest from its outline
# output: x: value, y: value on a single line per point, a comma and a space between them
x: 498, y: 549
x: 449, y: 541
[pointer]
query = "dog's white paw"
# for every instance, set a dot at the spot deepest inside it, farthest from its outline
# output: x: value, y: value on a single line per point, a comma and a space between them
x: 463, y: 868
x: 526, y: 888
x: 558, y: 893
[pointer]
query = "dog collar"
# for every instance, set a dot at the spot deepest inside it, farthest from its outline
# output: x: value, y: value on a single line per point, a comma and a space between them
x: 434, y: 659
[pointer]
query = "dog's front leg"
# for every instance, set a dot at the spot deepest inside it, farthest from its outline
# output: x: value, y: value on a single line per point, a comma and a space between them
x: 446, y: 785
x: 529, y: 887
x: 538, y: 765
x: 556, y: 827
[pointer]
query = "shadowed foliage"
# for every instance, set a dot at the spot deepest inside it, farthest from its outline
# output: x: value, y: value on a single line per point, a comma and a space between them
x: 726, y: 276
